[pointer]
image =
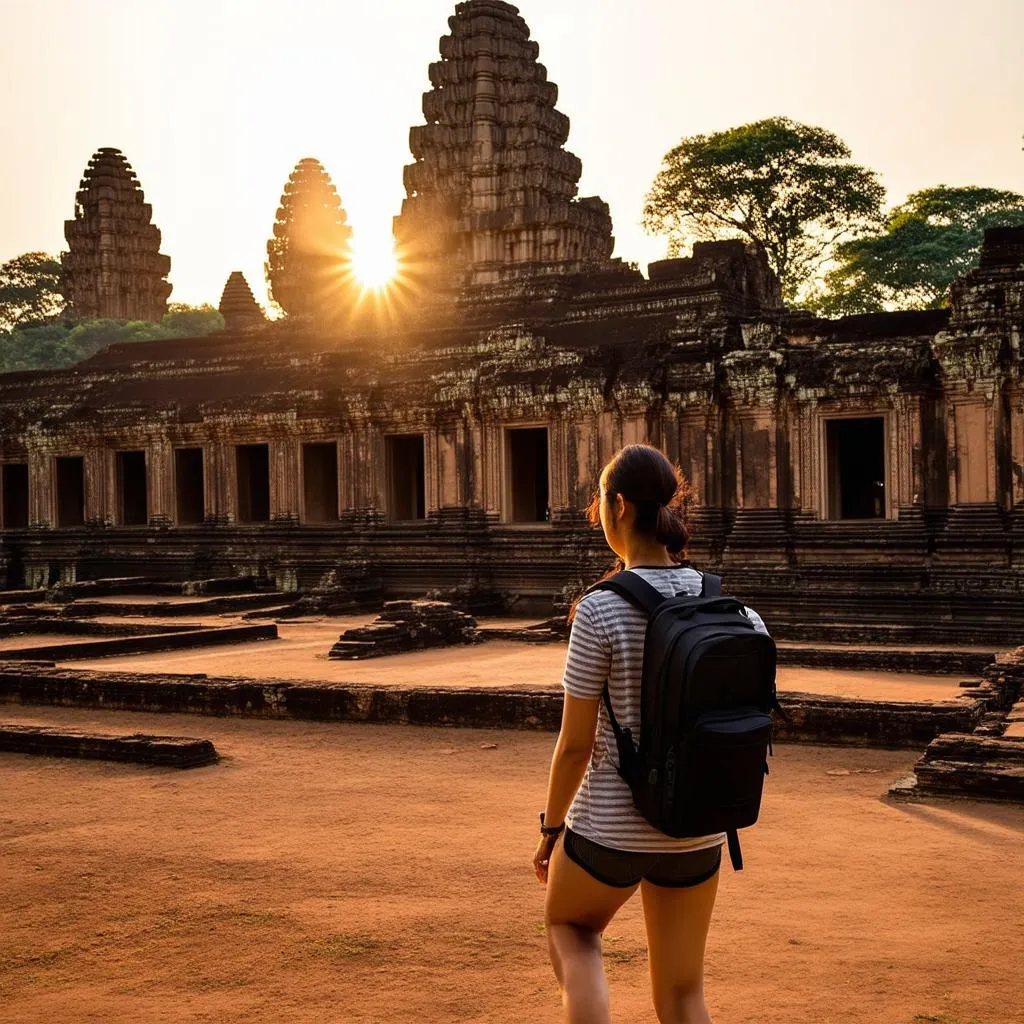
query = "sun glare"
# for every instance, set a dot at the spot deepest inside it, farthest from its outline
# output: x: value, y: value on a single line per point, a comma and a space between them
x: 374, y: 261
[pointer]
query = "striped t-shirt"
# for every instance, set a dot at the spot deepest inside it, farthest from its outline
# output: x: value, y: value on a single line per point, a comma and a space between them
x: 607, y: 645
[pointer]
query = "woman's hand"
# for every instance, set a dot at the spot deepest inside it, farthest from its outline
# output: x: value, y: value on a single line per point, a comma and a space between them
x: 542, y: 857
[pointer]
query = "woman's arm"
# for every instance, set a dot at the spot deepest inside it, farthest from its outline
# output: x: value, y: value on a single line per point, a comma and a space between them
x: 571, y: 757
x: 568, y: 766
x: 587, y: 664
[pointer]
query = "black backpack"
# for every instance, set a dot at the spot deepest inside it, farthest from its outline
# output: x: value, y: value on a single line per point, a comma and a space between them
x: 705, y: 730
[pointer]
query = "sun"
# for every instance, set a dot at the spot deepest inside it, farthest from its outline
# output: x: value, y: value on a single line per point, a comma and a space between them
x: 374, y: 261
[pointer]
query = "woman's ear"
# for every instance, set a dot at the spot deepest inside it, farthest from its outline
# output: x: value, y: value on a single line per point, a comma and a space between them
x: 620, y: 507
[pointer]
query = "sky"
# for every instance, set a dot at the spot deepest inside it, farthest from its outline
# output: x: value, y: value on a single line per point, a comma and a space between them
x: 213, y: 102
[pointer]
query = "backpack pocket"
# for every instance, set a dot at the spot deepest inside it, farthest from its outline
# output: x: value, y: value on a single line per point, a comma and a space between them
x: 725, y: 760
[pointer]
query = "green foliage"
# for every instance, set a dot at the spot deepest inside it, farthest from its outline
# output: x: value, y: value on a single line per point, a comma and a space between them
x: 29, y: 290
x: 53, y: 345
x: 927, y: 242
x: 791, y: 187
x: 192, y: 321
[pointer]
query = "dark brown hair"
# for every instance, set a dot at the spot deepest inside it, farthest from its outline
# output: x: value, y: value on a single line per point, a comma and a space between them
x: 658, y: 490
x: 645, y: 477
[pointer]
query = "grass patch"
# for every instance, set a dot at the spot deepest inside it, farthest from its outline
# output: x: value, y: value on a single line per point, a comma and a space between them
x: 48, y: 958
x: 344, y: 946
x: 615, y: 954
x: 204, y: 985
x: 257, y: 917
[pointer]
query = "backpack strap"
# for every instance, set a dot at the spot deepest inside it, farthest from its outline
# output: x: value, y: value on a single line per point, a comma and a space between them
x: 639, y: 593
x: 735, y: 854
x: 710, y: 585
x: 635, y: 589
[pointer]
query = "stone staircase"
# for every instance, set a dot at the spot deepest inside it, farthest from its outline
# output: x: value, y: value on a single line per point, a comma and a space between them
x: 987, y: 763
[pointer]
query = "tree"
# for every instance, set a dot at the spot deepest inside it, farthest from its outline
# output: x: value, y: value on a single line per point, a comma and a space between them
x: 790, y: 187
x: 29, y: 289
x: 54, y: 345
x: 927, y: 242
x: 186, y: 321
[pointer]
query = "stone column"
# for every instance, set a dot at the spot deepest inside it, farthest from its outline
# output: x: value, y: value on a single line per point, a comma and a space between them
x: 160, y: 482
x: 446, y: 464
x: 347, y: 475
x: 42, y: 500
x: 494, y: 463
x: 559, y: 500
x: 100, y: 485
x: 221, y: 484
x: 285, y: 500
x: 1017, y: 445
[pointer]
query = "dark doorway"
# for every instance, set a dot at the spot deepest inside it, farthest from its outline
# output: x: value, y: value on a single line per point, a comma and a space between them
x: 406, y: 468
x: 70, y: 491
x: 252, y: 465
x: 856, y: 468
x: 320, y: 483
x: 189, y: 489
x: 528, y: 476
x: 132, y: 506
x: 15, y: 485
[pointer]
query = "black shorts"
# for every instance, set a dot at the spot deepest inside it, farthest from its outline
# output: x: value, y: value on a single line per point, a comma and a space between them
x: 623, y: 868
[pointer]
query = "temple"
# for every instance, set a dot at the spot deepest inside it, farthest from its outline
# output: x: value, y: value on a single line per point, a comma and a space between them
x: 848, y: 472
x: 237, y: 304
x: 113, y: 267
x: 491, y: 195
x: 309, y: 258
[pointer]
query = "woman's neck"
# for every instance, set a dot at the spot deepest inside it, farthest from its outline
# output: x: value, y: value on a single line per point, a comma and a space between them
x: 646, y: 553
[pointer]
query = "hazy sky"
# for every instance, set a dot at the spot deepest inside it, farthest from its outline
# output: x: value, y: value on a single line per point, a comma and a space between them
x: 214, y: 101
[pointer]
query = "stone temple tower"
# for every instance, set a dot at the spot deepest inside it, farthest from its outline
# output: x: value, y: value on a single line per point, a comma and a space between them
x: 491, y: 196
x: 237, y: 304
x: 114, y: 267
x: 309, y: 259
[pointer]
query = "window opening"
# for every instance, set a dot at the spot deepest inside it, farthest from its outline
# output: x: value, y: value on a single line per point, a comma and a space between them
x: 856, y: 468
x: 15, y: 486
x: 252, y: 466
x: 70, y: 491
x: 528, y: 476
x: 406, y: 468
x: 189, y: 486
x: 132, y: 507
x: 320, y: 482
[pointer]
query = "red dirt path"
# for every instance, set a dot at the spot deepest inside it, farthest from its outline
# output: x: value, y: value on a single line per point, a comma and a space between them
x: 301, y: 653
x: 347, y: 873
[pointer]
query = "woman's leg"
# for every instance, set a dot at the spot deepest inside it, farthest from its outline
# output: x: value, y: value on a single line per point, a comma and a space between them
x: 677, y: 923
x: 577, y: 911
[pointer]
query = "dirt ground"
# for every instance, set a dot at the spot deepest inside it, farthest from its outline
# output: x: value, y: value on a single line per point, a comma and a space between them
x: 344, y: 873
x: 301, y: 653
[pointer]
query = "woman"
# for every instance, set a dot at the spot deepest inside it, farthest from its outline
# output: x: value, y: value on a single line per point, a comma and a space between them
x: 596, y: 849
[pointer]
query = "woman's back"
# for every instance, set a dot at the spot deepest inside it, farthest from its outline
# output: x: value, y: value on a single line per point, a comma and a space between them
x: 607, y: 644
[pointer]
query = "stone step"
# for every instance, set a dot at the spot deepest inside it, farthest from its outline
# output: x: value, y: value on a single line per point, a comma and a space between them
x: 124, y: 645
x: 167, y: 751
x: 961, y: 764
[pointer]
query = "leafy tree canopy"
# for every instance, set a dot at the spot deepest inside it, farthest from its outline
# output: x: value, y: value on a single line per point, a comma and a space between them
x: 53, y: 345
x: 29, y: 289
x: 186, y: 321
x: 927, y: 242
x: 789, y: 186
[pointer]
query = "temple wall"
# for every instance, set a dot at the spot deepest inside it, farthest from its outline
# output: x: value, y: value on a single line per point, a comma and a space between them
x: 964, y: 447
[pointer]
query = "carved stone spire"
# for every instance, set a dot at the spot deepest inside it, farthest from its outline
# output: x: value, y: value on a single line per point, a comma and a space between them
x: 237, y: 305
x: 114, y: 267
x: 491, y: 196
x: 309, y: 259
